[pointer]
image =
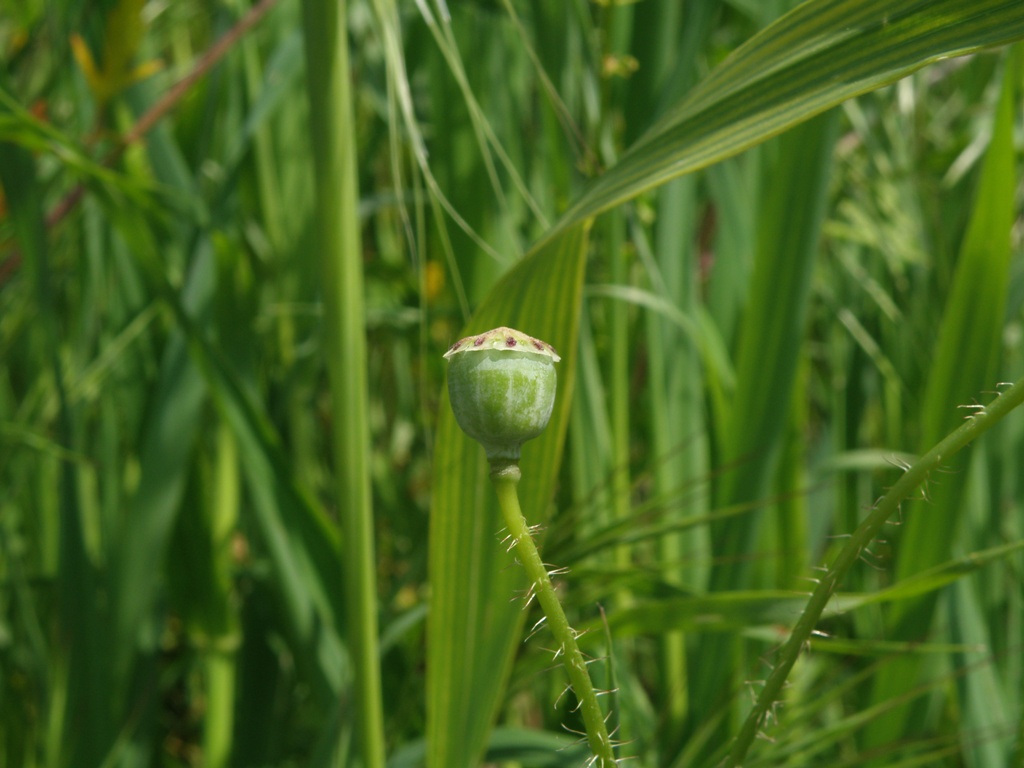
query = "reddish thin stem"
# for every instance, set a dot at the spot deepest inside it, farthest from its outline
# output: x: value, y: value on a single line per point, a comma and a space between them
x: 153, y: 115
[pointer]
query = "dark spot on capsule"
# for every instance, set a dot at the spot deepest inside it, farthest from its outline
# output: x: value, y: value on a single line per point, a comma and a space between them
x: 510, y: 341
x: 478, y: 341
x: 454, y: 346
x: 538, y: 344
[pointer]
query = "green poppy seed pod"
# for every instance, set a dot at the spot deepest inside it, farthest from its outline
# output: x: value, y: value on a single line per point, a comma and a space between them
x: 502, y: 388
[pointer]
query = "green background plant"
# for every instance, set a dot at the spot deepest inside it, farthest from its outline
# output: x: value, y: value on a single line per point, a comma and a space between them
x: 778, y: 253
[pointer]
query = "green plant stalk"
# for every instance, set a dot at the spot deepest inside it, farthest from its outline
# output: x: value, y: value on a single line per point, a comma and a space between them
x: 337, y: 229
x: 977, y: 424
x: 221, y: 672
x: 618, y: 375
x: 505, y: 477
x: 220, y: 660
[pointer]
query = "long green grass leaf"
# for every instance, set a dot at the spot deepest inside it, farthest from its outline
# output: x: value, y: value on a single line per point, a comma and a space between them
x: 341, y: 266
x: 819, y: 55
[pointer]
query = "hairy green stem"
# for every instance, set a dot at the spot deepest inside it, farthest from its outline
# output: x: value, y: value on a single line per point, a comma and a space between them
x: 505, y: 476
x: 978, y: 422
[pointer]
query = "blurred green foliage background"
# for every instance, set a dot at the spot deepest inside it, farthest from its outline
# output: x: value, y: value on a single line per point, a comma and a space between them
x: 780, y: 256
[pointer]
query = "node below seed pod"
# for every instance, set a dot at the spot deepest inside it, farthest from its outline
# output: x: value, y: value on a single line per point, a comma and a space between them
x: 502, y: 388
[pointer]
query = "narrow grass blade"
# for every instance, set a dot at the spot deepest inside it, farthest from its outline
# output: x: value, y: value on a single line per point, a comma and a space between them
x: 341, y: 262
x: 677, y: 428
x: 965, y: 364
x: 760, y: 612
x: 967, y: 349
x: 789, y: 233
